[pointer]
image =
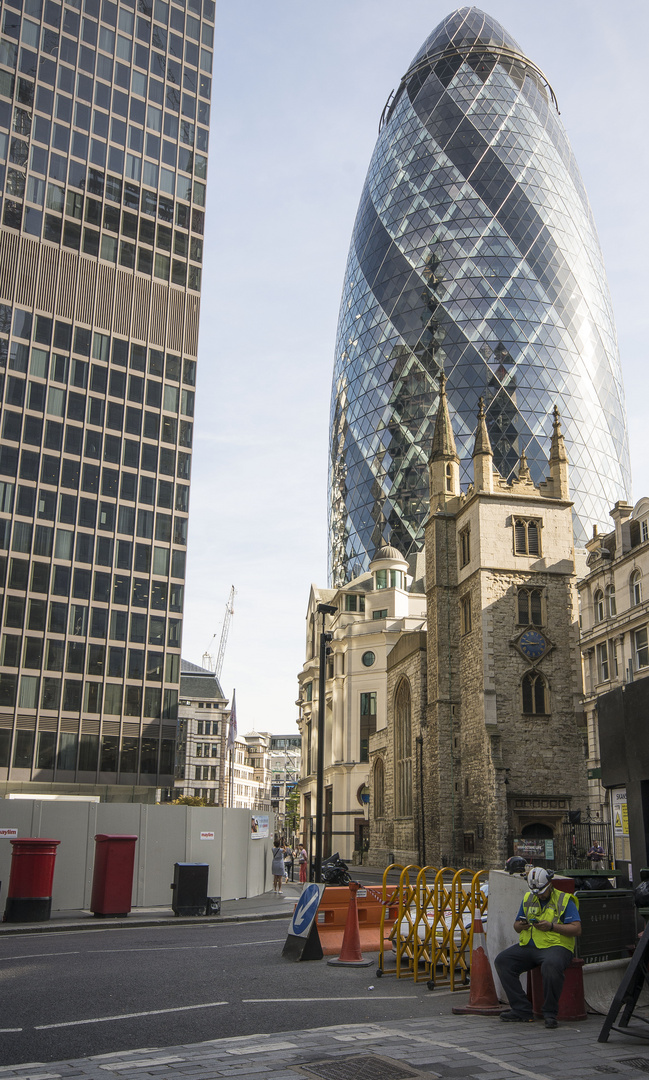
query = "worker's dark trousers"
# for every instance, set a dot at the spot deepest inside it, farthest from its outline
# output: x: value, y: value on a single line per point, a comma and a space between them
x: 512, y: 962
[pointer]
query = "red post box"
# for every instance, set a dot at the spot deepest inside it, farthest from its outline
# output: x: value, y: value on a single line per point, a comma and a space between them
x: 571, y: 1003
x: 112, y: 880
x: 29, y: 897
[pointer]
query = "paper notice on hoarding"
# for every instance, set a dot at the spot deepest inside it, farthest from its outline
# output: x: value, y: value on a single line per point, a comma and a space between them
x: 8, y: 832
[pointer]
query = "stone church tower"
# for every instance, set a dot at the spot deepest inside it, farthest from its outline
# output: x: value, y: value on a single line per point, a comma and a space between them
x: 497, y: 753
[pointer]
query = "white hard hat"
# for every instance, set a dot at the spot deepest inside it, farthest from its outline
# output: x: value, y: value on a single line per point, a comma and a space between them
x: 539, y: 878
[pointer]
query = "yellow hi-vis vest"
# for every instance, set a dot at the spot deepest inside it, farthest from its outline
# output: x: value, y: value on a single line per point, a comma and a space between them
x: 552, y: 912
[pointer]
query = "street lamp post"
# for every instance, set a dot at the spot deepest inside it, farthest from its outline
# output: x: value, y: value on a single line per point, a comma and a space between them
x: 324, y: 610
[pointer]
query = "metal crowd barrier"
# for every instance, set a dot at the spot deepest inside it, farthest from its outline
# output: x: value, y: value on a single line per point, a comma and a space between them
x: 432, y: 935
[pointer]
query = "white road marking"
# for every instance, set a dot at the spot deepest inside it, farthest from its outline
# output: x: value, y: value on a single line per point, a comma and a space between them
x: 146, y: 1063
x: 128, y: 1016
x: 155, y: 948
x: 238, y: 944
x: 36, y: 955
x: 363, y: 997
x: 6, y: 1031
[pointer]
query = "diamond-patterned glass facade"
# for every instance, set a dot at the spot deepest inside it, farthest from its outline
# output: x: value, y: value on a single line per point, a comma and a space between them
x: 474, y: 251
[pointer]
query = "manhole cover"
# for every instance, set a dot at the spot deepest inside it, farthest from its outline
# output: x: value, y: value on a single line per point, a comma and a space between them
x: 360, y: 1067
x: 635, y: 1063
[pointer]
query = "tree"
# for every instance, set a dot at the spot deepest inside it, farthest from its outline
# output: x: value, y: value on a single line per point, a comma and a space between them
x: 292, y: 813
x: 189, y: 800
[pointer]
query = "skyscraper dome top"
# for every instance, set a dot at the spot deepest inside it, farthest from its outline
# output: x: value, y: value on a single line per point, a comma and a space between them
x: 470, y: 35
x: 465, y: 27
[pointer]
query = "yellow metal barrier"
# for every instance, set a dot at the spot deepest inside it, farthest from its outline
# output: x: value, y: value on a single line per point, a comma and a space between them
x: 432, y: 935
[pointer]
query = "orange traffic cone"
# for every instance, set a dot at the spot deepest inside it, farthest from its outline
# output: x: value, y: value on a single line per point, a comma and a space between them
x: 350, y: 953
x: 482, y: 998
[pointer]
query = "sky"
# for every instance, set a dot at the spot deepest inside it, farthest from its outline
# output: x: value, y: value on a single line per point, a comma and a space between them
x: 298, y: 91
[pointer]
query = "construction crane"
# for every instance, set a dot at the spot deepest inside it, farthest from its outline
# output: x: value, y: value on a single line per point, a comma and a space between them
x: 229, y: 612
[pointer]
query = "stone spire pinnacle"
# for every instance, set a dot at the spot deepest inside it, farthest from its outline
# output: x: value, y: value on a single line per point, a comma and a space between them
x: 523, y: 468
x: 443, y: 447
x: 483, y: 473
x: 444, y: 464
x: 482, y: 442
x: 558, y: 459
x: 557, y: 446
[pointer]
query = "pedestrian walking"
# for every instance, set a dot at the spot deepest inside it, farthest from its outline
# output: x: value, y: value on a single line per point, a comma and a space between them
x: 548, y: 923
x: 303, y: 860
x: 288, y: 860
x: 278, y: 866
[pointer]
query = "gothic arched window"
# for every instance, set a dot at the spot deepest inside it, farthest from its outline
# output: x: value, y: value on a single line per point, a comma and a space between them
x: 379, y: 788
x: 535, y: 693
x: 402, y: 750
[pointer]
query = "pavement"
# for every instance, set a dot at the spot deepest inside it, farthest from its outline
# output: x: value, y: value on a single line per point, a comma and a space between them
x: 443, y: 1045
x: 265, y: 906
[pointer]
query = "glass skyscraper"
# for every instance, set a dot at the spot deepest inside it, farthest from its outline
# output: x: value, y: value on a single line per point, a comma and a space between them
x: 474, y: 252
x: 104, y: 117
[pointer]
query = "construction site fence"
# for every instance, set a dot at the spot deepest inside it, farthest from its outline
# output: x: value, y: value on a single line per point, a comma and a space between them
x: 433, y: 909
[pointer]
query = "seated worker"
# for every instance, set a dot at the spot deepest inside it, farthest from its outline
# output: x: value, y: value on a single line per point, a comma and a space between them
x: 548, y: 923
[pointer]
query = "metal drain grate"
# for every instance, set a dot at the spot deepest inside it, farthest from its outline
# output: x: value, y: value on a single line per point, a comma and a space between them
x: 360, y: 1067
x: 635, y: 1063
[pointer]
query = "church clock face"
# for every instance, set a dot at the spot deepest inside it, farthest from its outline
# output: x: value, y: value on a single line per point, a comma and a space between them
x: 532, y: 644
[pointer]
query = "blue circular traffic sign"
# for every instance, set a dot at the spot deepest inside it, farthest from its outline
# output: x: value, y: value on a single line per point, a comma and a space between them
x: 306, y: 908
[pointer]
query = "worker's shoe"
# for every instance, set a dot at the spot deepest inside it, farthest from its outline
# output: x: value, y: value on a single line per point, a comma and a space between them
x: 551, y: 1022
x: 511, y: 1017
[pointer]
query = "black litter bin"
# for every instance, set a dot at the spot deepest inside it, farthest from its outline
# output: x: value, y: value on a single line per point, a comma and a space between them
x: 190, y: 888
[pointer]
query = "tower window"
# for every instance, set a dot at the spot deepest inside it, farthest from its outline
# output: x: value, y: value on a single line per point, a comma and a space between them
x: 449, y: 477
x: 465, y: 547
x: 527, y: 536
x: 530, y: 610
x: 636, y: 588
x: 465, y: 614
x: 535, y: 694
x: 599, y: 606
x: 610, y: 600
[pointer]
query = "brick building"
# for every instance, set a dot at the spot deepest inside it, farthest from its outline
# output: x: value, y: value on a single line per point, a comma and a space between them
x: 485, y: 742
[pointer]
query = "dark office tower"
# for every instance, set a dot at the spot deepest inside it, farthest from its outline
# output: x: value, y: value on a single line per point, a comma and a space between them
x: 474, y: 252
x: 104, y: 115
